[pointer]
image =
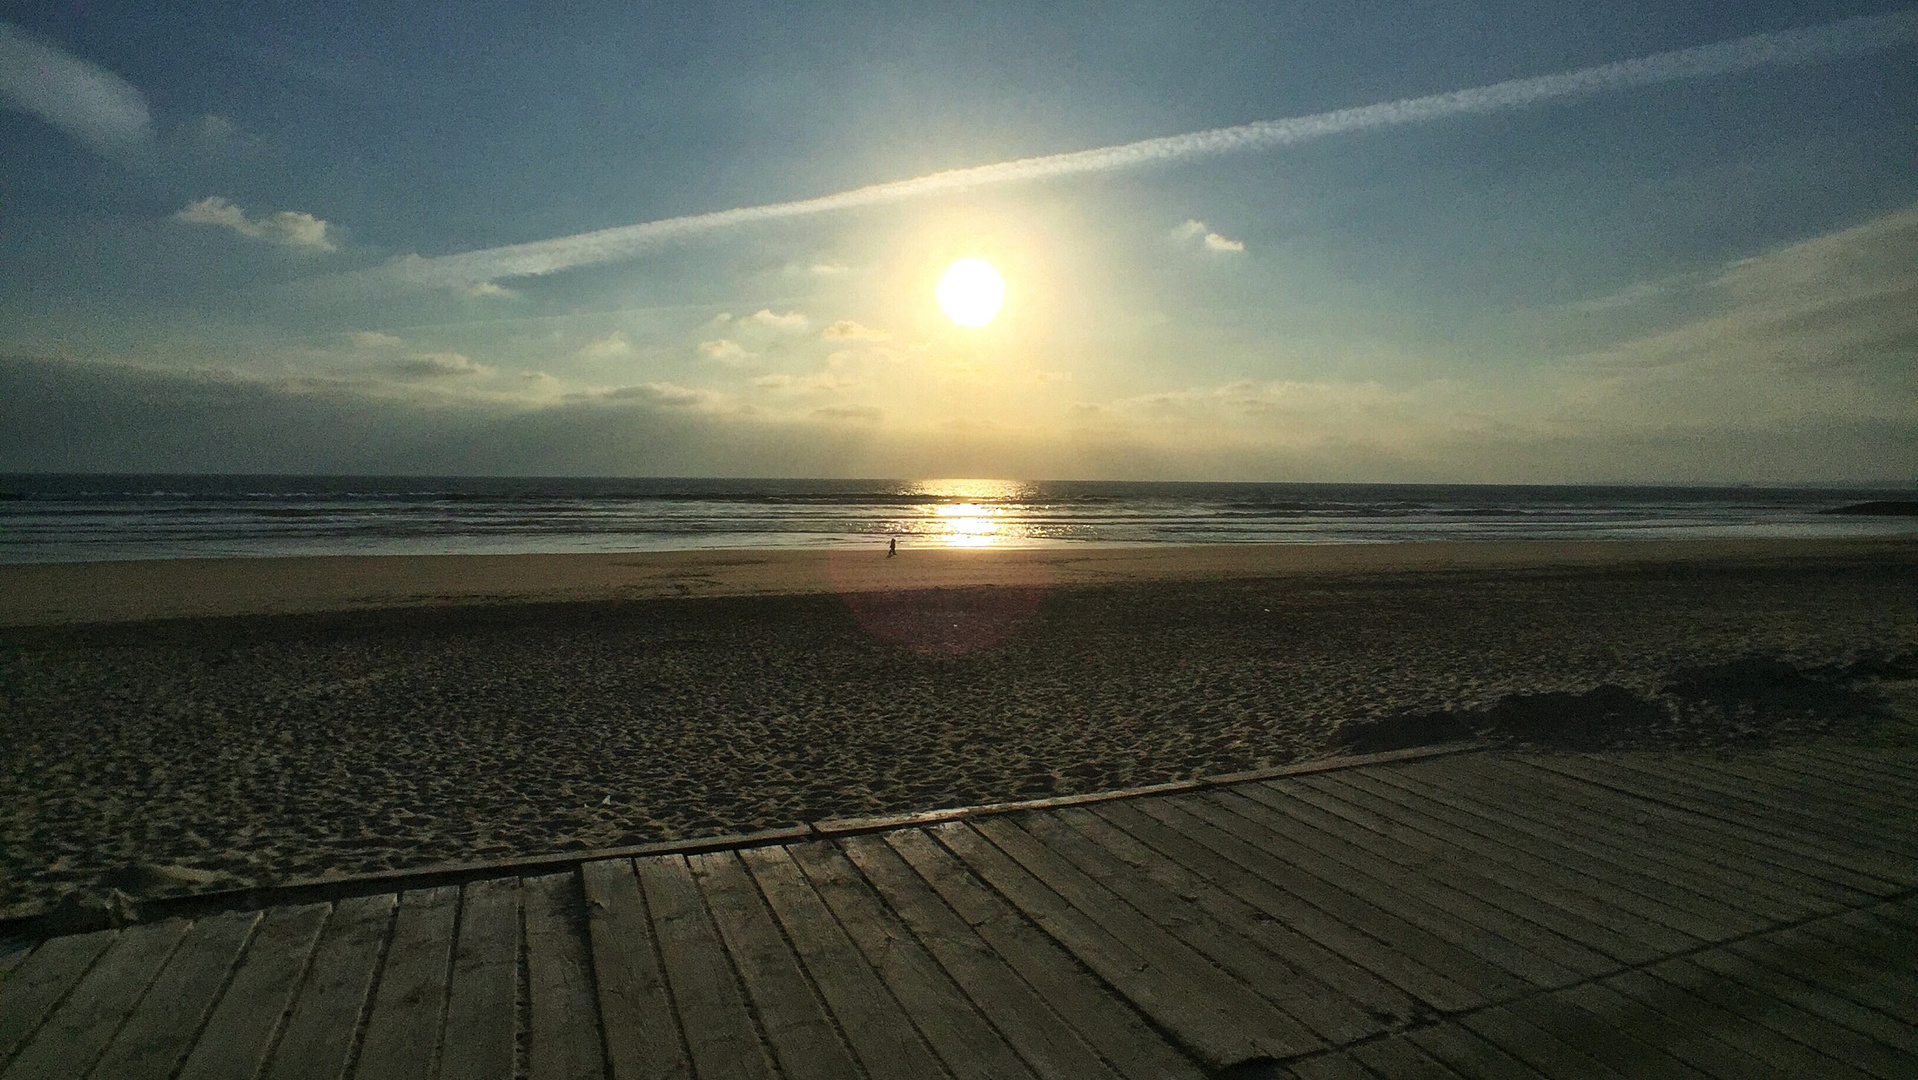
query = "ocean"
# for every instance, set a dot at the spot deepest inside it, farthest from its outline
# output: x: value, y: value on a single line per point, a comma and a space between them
x: 54, y: 518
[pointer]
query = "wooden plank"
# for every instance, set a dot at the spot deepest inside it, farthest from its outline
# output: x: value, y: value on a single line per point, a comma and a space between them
x: 1705, y: 916
x: 41, y: 981
x: 1401, y: 1059
x: 1778, y: 1054
x: 1861, y: 867
x: 1761, y: 1006
x: 795, y: 1021
x: 78, y: 1031
x: 1527, y: 948
x: 1878, y: 965
x: 1687, y: 1042
x: 563, y: 1040
x: 1223, y: 859
x: 1288, y: 866
x: 161, y: 1030
x: 962, y: 1038
x: 719, y: 1031
x: 1328, y: 1014
x: 409, y: 1004
x: 1468, y: 1054
x: 244, y: 1022
x: 642, y: 1037
x: 1763, y: 875
x: 1786, y: 868
x: 1472, y: 871
x: 12, y: 953
x: 1221, y: 1023
x: 1844, y: 969
x: 1329, y: 1067
x: 482, y: 1001
x: 1541, y: 1050
x: 1625, y: 935
x: 878, y: 1029
x: 1859, y: 780
x: 1325, y: 974
x: 318, y: 1041
x: 1160, y: 941
x: 1108, y: 1022
x: 1807, y: 993
x: 1878, y: 822
x: 1806, y: 811
x: 1672, y: 876
x: 1880, y: 761
x: 1048, y: 1042
x: 1623, y: 1050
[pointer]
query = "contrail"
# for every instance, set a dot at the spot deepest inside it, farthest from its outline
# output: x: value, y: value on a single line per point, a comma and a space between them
x: 1791, y: 48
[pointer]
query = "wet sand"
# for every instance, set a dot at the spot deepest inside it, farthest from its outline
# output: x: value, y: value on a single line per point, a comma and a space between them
x: 177, y: 727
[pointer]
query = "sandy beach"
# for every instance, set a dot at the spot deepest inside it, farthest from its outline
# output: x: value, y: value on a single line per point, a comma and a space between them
x: 184, y: 726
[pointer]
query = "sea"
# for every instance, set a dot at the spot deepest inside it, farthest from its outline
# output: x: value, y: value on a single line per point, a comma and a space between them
x: 70, y: 518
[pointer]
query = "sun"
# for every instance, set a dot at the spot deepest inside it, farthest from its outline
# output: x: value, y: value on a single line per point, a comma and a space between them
x: 971, y: 292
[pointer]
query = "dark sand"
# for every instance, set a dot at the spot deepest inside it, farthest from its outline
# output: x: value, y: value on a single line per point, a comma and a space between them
x: 201, y: 753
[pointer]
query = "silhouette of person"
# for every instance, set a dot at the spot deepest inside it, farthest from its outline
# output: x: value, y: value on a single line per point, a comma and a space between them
x: 892, y: 547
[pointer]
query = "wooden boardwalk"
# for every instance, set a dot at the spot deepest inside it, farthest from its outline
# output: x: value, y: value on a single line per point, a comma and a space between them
x: 1465, y: 915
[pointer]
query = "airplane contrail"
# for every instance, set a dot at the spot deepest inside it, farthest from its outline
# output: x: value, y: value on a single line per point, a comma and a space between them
x: 1791, y: 48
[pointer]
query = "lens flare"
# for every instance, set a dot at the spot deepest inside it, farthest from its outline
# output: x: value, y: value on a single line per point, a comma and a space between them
x: 971, y: 292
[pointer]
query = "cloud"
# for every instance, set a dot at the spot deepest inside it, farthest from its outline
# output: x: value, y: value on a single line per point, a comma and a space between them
x: 439, y: 365
x: 790, y: 322
x: 724, y: 350
x: 87, y: 102
x: 291, y: 228
x: 1791, y: 48
x: 374, y: 339
x: 670, y: 395
x: 827, y: 269
x: 848, y: 330
x: 613, y: 344
x: 1215, y: 242
x: 484, y: 290
x: 860, y: 414
x: 1191, y: 229
x: 1194, y: 229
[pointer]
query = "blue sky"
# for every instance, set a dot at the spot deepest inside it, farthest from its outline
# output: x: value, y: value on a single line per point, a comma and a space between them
x: 222, y: 230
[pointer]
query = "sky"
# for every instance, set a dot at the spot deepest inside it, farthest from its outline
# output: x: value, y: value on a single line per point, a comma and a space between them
x: 1546, y: 242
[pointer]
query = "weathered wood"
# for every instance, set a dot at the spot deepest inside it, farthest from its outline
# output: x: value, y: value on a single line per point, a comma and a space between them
x: 1517, y: 944
x: 318, y: 1041
x: 1598, y: 947
x: 1780, y: 869
x: 1360, y: 998
x: 1801, y: 779
x: 718, y: 1029
x: 1809, y: 995
x: 1626, y: 936
x: 1851, y: 782
x: 1887, y: 762
x: 1330, y: 1067
x: 1220, y: 1022
x: 1777, y: 1053
x: 563, y: 1040
x: 1702, y: 914
x: 1292, y: 868
x: 1620, y: 1049
x: 1050, y: 1044
x: 1736, y: 994
x: 161, y: 1030
x: 41, y: 981
x: 1686, y: 1042
x: 1843, y: 970
x: 1468, y: 1054
x: 1106, y: 1022
x: 1542, y: 1050
x: 1224, y: 860
x: 12, y: 953
x: 1327, y: 1014
x: 1401, y: 1060
x: 403, y: 1027
x: 1769, y: 885
x: 248, y: 1015
x: 794, y: 1019
x: 482, y: 1007
x: 78, y: 1031
x: 642, y: 1037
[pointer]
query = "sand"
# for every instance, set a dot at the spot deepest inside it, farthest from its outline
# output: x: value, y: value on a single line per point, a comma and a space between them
x: 187, y: 726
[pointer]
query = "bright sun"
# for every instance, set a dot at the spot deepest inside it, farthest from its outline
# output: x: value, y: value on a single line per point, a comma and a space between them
x: 971, y: 292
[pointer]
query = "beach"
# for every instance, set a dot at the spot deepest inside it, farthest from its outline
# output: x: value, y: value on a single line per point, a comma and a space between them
x: 191, y: 725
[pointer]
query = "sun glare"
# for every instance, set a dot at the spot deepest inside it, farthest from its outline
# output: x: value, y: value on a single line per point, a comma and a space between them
x: 971, y: 292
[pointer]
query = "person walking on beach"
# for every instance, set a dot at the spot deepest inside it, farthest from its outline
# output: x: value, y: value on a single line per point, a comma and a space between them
x: 892, y: 547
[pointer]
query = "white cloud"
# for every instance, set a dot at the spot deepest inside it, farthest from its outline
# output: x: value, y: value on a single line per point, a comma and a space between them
x: 613, y: 344
x: 848, y: 330
x: 1194, y: 229
x: 370, y: 340
x: 482, y: 290
x: 826, y: 269
x: 789, y: 322
x: 291, y: 228
x: 87, y: 102
x: 724, y: 350
x: 858, y: 414
x: 437, y: 365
